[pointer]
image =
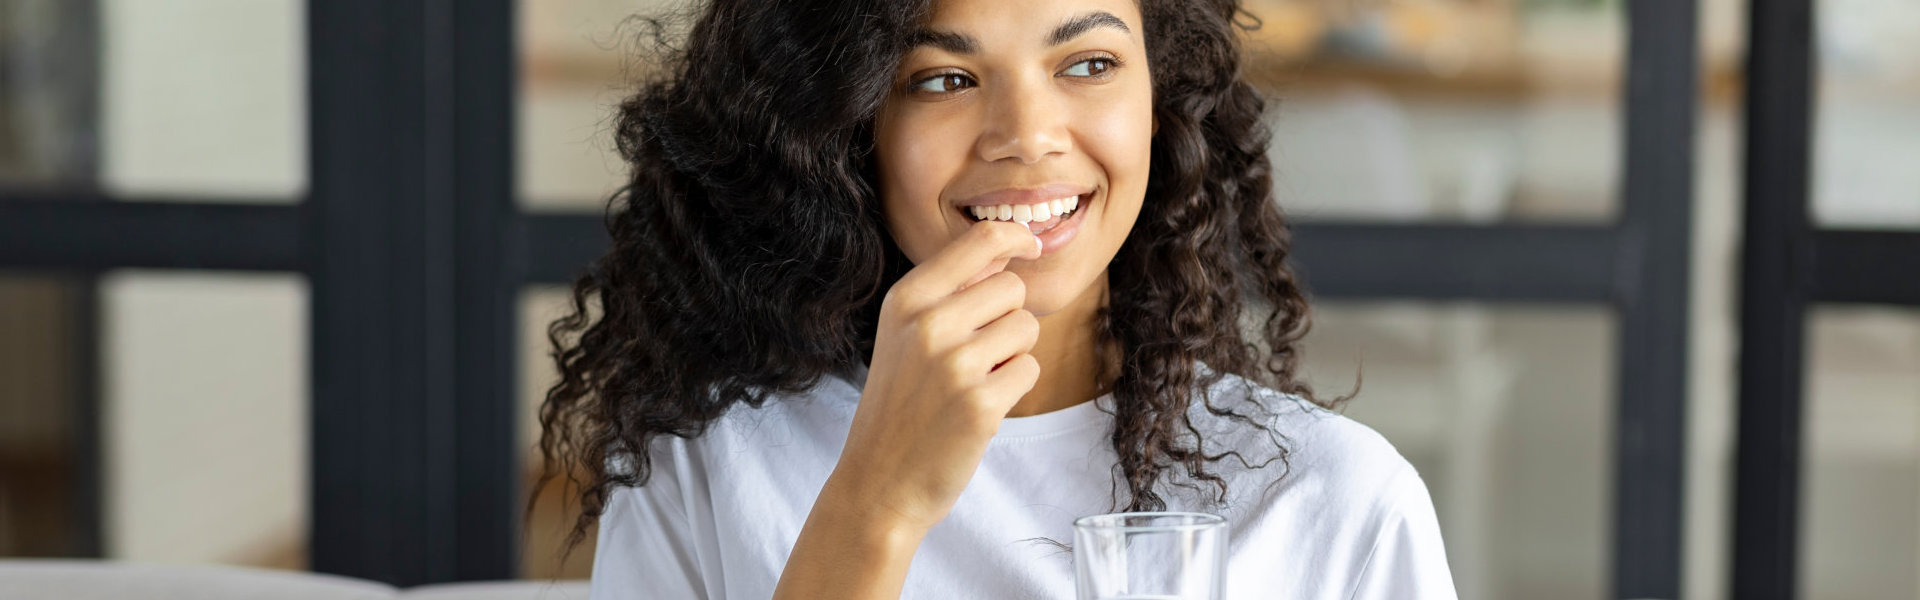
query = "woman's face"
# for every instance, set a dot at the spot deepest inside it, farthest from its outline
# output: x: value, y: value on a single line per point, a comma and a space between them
x: 1022, y: 108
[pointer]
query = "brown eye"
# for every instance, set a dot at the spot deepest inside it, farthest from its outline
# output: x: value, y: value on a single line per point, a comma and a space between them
x: 1092, y: 67
x: 943, y: 83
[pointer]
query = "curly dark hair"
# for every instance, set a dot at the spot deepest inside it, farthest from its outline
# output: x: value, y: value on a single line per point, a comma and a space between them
x: 750, y: 256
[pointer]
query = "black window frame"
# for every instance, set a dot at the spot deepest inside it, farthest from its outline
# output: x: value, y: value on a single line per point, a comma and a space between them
x: 1789, y: 265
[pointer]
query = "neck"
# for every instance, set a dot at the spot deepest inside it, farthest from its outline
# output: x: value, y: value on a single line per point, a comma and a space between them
x: 1066, y: 352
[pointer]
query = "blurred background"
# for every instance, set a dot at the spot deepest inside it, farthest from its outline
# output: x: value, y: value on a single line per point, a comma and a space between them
x: 165, y: 410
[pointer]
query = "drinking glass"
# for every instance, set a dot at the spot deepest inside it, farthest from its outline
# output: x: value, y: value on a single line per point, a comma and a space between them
x: 1150, y: 555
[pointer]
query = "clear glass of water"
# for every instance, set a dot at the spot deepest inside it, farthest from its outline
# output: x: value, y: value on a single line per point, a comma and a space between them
x: 1150, y: 555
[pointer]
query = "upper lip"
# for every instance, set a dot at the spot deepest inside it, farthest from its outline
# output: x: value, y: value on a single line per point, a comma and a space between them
x: 1033, y: 195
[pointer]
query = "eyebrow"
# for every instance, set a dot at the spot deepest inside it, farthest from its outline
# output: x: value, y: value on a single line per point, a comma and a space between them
x: 945, y: 40
x: 1084, y: 23
x: 958, y: 43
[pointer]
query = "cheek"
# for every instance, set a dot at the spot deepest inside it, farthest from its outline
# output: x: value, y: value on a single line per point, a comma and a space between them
x: 912, y: 171
x: 1119, y: 136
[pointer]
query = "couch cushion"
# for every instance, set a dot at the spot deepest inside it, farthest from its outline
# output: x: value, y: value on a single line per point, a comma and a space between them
x: 500, y: 590
x: 105, y: 580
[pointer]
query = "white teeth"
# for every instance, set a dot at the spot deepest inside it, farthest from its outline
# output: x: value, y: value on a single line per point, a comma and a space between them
x: 1026, y: 213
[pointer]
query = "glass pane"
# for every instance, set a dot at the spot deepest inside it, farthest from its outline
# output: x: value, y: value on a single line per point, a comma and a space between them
x: 575, y: 66
x: 1867, y: 125
x: 1860, y: 527
x: 47, y: 91
x: 1506, y: 411
x: 41, y: 466
x: 205, y: 427
x: 204, y: 99
x: 1468, y: 111
x: 553, y: 515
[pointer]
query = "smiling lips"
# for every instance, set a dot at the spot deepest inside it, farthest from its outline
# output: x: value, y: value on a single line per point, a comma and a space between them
x: 1039, y: 208
x: 1039, y: 216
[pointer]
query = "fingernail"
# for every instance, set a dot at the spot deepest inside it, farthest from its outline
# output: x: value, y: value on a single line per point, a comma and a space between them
x: 1039, y: 246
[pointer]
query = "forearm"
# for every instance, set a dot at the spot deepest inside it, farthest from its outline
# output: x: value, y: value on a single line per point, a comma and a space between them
x: 845, y: 551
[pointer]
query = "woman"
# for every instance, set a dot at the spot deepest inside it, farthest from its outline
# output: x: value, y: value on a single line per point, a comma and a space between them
x: 899, y: 289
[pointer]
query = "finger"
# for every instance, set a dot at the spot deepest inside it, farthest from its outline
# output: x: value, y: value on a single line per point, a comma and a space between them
x: 999, y: 265
x: 980, y: 252
x: 1003, y: 339
x: 1012, y: 381
x: 981, y: 303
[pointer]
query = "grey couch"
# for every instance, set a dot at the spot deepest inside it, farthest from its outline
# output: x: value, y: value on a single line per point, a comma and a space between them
x: 31, y: 579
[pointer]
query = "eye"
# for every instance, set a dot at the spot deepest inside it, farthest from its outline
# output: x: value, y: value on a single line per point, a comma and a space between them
x: 943, y: 83
x: 1092, y: 67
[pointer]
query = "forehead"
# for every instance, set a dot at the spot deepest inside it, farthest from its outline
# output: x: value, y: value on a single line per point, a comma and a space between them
x: 1010, y: 16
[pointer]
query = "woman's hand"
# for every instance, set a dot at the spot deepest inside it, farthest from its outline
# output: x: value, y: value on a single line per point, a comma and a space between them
x: 950, y: 359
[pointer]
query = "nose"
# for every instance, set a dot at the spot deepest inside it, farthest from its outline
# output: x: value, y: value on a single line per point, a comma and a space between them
x: 1027, y: 122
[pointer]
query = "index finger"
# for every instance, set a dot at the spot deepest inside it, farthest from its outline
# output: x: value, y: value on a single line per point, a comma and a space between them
x: 983, y: 250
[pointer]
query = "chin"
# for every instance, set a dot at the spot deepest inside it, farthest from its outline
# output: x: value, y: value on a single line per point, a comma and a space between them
x: 1043, y: 300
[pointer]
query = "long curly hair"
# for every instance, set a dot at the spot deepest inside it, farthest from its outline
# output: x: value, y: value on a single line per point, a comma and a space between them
x: 749, y: 253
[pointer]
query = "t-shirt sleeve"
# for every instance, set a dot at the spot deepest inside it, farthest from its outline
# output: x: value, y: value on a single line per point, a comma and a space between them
x: 646, y: 543
x: 1408, y: 559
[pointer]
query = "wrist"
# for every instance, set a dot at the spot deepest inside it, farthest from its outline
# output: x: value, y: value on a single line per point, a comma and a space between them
x: 879, y: 526
x: 847, y: 550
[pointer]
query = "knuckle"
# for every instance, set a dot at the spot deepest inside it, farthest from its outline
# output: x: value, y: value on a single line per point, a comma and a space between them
x: 977, y: 402
x: 900, y: 296
x: 963, y: 363
x: 1029, y: 324
x: 920, y: 329
x: 924, y: 345
x: 1024, y: 366
x: 1000, y: 235
x: 1014, y: 283
x: 993, y: 233
x: 889, y: 313
x: 928, y: 322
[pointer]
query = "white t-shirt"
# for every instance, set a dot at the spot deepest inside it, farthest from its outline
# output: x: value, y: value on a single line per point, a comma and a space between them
x: 1350, y: 519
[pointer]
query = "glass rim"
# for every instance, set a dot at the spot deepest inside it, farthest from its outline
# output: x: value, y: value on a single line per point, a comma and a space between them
x: 1198, y: 520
